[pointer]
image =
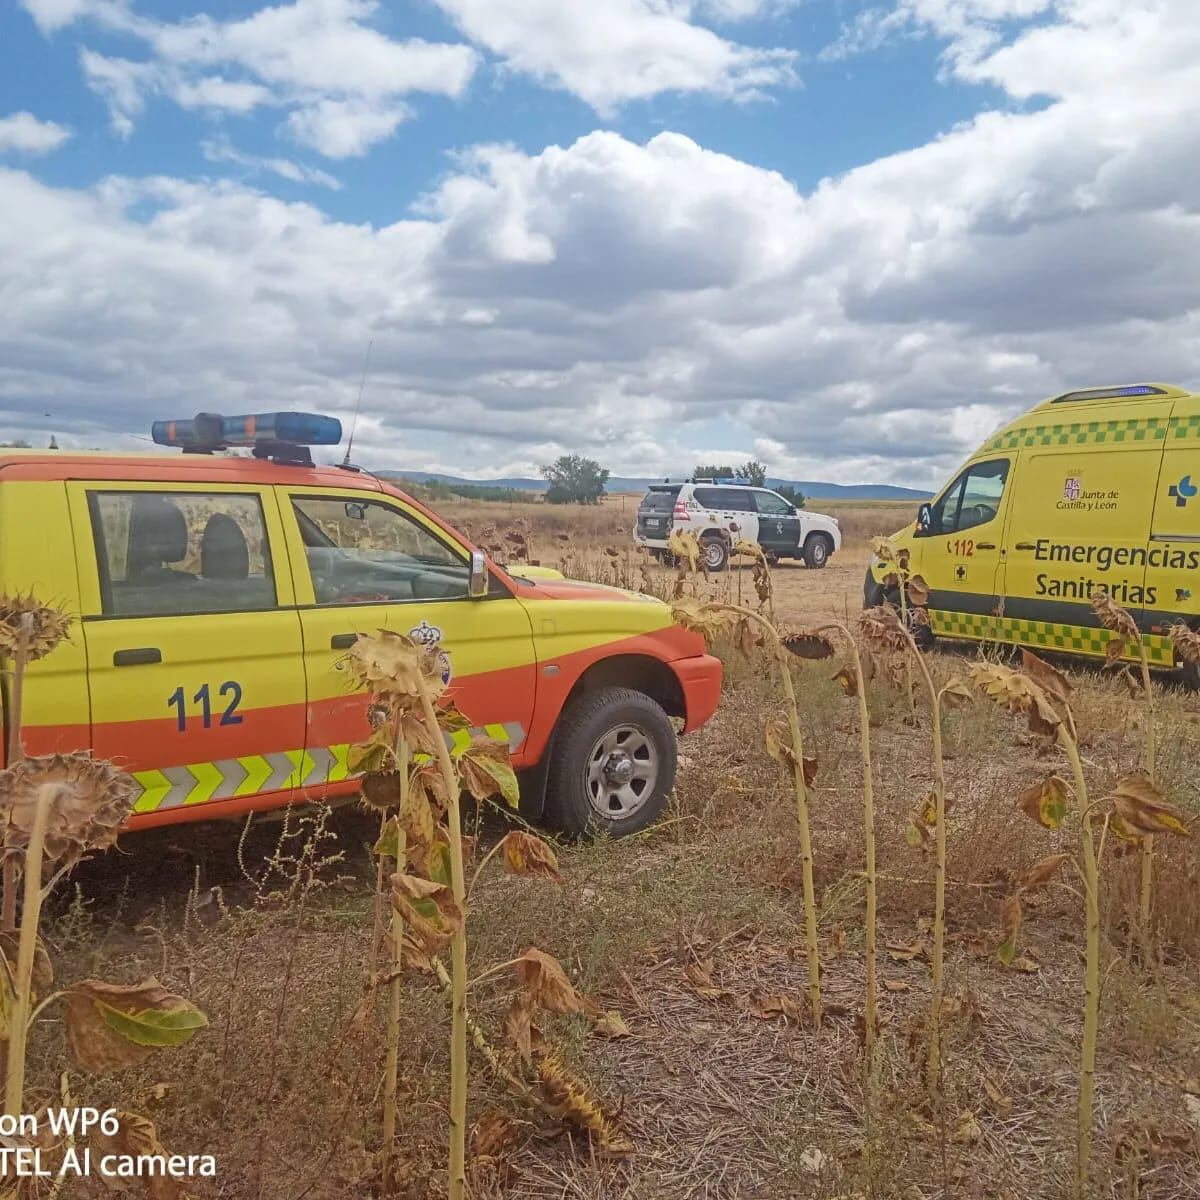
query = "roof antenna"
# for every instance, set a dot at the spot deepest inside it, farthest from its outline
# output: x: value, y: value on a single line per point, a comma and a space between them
x: 358, y: 403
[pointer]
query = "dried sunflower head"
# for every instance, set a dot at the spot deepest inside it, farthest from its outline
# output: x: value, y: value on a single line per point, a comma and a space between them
x: 1017, y: 693
x: 881, y: 628
x: 1112, y: 616
x: 28, y: 624
x: 391, y: 665
x: 91, y: 801
x: 1186, y: 642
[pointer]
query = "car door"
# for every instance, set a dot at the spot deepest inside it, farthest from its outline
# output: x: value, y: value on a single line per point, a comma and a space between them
x: 958, y: 551
x: 778, y: 524
x: 1080, y: 522
x: 1173, y: 557
x: 367, y: 561
x: 195, y: 681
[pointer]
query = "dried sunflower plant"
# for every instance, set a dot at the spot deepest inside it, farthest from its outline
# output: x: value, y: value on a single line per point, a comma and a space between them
x: 29, y: 630
x: 1133, y: 811
x: 1127, y: 637
x: 56, y: 809
x: 420, y: 757
x: 750, y: 629
x: 889, y: 634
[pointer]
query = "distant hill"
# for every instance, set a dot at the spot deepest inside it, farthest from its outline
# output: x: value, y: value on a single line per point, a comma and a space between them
x: 812, y: 488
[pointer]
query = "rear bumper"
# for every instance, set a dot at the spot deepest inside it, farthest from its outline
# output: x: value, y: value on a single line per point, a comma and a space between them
x: 700, y: 678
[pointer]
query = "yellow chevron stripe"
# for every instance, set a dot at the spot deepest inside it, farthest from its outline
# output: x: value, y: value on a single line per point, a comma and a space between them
x: 208, y: 779
x: 258, y: 771
x: 339, y: 770
x: 155, y: 786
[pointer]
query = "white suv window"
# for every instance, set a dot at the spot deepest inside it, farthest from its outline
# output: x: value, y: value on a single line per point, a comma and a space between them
x: 726, y: 499
x: 772, y: 505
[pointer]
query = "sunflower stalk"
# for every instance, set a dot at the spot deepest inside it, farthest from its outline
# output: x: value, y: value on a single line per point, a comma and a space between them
x: 1091, y: 1005
x: 458, y: 956
x: 800, y: 787
x: 31, y: 913
x: 395, y: 985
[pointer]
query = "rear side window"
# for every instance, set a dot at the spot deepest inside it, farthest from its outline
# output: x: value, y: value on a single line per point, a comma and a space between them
x: 727, y: 499
x: 657, y: 501
x: 177, y: 553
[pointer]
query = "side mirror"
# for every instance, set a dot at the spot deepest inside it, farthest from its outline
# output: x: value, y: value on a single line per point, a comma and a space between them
x: 480, y: 579
x: 924, y: 518
x: 792, y: 510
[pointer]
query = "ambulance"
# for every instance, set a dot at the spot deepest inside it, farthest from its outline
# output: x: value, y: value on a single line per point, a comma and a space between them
x: 216, y: 595
x: 1097, y: 489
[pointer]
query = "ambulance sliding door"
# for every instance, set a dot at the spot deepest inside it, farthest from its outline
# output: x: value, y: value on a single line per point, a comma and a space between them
x: 1173, y: 574
x: 1078, y: 523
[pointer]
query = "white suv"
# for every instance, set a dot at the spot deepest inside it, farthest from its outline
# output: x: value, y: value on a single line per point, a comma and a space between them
x: 718, y: 514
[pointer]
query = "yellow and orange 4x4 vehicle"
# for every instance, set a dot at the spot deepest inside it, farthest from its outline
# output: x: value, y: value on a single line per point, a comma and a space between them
x: 217, y: 596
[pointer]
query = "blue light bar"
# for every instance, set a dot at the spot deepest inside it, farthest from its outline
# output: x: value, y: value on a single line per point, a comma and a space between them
x: 1110, y: 393
x: 734, y: 481
x: 211, y: 431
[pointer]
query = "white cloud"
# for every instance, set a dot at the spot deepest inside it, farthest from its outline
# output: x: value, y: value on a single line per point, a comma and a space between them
x: 346, y: 128
x: 219, y: 150
x: 621, y: 50
x: 122, y: 84
x: 340, y: 79
x: 642, y: 302
x: 23, y: 132
x: 212, y: 91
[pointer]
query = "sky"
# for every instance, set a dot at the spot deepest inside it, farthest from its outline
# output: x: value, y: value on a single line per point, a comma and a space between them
x: 846, y: 238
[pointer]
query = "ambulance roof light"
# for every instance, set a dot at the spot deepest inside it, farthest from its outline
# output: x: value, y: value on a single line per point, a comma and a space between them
x: 1110, y: 393
x: 269, y: 435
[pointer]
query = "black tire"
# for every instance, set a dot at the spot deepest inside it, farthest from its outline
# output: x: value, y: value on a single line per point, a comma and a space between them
x: 715, y: 551
x: 589, y: 758
x: 922, y: 635
x: 817, y: 549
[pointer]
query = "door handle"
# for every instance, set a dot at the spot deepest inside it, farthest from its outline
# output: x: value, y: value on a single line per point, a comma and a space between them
x: 138, y: 657
x: 1025, y: 546
x: 342, y: 641
x: 985, y: 545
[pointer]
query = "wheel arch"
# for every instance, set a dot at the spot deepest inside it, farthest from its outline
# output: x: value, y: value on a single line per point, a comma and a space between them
x: 640, y: 673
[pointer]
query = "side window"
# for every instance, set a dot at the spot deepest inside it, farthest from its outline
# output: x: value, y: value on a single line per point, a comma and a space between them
x: 175, y: 553
x: 725, y: 499
x: 972, y: 499
x: 771, y: 505
x: 365, y: 552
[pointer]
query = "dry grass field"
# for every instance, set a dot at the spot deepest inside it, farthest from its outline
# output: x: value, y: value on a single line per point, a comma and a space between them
x: 694, y: 933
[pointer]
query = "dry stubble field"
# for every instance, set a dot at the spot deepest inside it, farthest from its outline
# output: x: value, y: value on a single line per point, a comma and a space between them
x: 694, y: 933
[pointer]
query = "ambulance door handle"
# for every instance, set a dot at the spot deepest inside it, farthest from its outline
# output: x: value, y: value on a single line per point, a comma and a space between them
x: 136, y: 658
x: 985, y: 545
x: 342, y: 641
x: 1025, y: 546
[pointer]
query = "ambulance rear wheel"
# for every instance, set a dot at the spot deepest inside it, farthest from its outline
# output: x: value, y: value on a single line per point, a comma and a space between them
x: 612, y: 766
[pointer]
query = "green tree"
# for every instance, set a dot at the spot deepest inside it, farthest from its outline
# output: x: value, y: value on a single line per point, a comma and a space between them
x: 753, y: 471
x: 575, y: 480
x: 792, y: 494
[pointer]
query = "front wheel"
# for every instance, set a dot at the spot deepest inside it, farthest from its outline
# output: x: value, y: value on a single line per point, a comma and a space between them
x: 613, y: 764
x: 817, y: 550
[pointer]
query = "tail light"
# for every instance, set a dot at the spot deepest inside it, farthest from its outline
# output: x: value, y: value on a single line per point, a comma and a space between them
x: 680, y: 512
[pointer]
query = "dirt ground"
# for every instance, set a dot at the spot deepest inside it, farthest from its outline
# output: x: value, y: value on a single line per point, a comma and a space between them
x: 693, y: 932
